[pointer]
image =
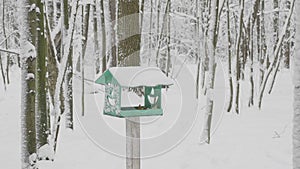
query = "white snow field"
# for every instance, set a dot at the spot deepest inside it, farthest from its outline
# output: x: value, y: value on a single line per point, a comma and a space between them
x: 252, y: 139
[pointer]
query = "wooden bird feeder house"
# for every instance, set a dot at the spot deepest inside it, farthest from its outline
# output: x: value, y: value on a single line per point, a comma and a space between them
x: 146, y: 82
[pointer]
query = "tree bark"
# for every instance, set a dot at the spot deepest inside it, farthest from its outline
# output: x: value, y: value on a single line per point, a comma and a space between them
x: 85, y: 31
x: 213, y: 36
x: 41, y: 109
x: 6, y: 41
x: 276, y: 56
x: 287, y: 44
x: 103, y: 31
x: 69, y: 68
x: 28, y: 131
x: 113, y: 44
x: 238, y: 59
x: 128, y: 33
x: 229, y: 59
x: 96, y: 41
x: 2, y: 72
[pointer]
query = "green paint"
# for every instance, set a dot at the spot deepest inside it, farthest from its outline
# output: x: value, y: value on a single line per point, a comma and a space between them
x: 113, y: 93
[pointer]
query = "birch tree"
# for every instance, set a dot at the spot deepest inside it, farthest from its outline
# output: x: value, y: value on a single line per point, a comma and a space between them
x: 213, y: 38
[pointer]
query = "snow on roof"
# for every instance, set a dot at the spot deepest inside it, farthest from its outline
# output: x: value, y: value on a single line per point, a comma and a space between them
x: 139, y: 76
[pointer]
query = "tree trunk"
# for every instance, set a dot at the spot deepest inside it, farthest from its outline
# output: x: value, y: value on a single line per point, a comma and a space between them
x: 238, y: 59
x: 168, y: 40
x: 150, y: 32
x: 69, y: 68
x: 96, y: 41
x: 286, y: 44
x: 41, y: 109
x: 158, y: 3
x: 275, y: 23
x: 263, y: 46
x: 113, y: 44
x: 61, y: 76
x: 213, y: 36
x: 2, y: 72
x: 198, y: 14
x: 276, y: 56
x: 250, y: 43
x: 52, y: 62
x: 128, y: 33
x: 229, y: 59
x: 161, y: 35
x: 85, y: 31
x: 28, y: 131
x: 103, y: 31
x: 6, y: 41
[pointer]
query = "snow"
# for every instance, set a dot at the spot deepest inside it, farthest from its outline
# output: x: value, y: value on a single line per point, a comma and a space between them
x: 139, y: 76
x: 32, y: 7
x: 37, y: 10
x: 29, y: 76
x: 247, y: 141
x: 46, y: 152
x: 32, y: 159
x: 28, y: 50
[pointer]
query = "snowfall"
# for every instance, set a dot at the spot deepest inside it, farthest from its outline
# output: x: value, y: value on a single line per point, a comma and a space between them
x: 260, y: 139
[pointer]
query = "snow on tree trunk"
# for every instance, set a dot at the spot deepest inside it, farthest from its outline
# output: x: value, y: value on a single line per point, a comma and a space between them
x: 28, y: 55
x: 229, y: 58
x: 6, y: 40
x: 286, y: 51
x: 41, y: 108
x: 2, y: 72
x: 69, y: 71
x: 95, y: 34
x: 68, y: 48
x: 296, y: 126
x: 238, y: 58
x: 211, y: 68
x: 113, y: 44
x: 103, y: 33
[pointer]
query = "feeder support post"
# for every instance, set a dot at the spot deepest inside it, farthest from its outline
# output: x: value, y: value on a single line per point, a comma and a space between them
x: 133, y: 143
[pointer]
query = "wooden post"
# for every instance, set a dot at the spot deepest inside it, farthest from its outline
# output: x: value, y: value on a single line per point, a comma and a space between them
x: 133, y: 143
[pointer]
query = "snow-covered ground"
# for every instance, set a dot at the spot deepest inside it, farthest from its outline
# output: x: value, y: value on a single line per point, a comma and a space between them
x: 252, y: 139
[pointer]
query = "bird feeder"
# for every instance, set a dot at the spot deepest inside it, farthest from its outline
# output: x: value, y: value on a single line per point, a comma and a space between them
x: 147, y: 82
